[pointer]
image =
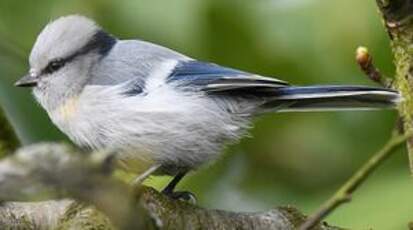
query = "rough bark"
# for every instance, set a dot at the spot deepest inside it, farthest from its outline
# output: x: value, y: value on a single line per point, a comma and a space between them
x: 398, y: 20
x: 165, y: 214
x: 85, y: 195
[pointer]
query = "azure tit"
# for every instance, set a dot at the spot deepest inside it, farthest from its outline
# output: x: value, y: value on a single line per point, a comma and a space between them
x: 154, y: 105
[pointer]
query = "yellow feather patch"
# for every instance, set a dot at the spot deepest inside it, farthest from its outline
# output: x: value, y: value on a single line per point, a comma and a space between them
x: 68, y: 109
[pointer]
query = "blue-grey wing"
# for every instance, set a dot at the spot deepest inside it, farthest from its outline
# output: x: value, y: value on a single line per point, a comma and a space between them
x: 131, y: 61
x: 212, y: 78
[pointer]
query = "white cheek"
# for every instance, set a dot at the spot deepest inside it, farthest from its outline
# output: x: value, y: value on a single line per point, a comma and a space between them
x: 41, y: 88
x: 42, y: 83
x: 42, y: 92
x: 40, y: 97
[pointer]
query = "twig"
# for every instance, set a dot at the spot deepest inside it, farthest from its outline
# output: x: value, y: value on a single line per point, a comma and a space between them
x: 344, y: 194
x: 365, y: 61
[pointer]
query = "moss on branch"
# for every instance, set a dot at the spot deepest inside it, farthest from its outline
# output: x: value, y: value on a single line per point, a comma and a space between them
x: 398, y: 20
x: 94, y: 199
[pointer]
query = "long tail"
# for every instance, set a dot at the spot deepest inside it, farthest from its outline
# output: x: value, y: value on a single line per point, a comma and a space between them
x: 331, y: 97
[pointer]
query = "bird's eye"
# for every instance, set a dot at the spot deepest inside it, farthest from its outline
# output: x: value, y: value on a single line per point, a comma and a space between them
x: 54, y: 66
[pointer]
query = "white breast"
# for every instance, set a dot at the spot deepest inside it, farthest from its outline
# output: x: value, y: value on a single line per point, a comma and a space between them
x: 163, y: 124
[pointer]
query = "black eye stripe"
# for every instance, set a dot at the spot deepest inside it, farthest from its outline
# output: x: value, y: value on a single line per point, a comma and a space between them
x: 54, y: 66
x: 100, y: 42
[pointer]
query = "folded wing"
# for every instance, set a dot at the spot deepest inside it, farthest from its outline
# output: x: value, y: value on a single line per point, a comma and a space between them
x: 195, y: 75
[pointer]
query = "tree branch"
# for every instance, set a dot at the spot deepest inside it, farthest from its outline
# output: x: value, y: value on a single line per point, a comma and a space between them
x: 398, y: 20
x: 97, y: 199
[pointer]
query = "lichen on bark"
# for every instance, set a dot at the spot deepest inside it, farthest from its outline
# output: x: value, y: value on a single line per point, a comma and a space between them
x: 398, y: 20
x: 95, y: 199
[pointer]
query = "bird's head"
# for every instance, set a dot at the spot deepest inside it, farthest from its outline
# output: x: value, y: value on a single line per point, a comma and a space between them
x: 63, y: 56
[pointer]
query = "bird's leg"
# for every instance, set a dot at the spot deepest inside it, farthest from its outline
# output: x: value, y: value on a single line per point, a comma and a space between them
x: 180, y: 195
x: 171, y: 186
x: 139, y: 179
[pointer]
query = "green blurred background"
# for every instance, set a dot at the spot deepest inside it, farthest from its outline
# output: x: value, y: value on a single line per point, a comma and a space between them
x: 295, y: 158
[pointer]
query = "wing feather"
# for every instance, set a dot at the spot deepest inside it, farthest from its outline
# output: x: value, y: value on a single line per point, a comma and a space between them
x: 214, y: 78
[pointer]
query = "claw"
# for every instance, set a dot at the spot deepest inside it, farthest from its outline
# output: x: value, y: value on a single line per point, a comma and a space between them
x: 182, y: 196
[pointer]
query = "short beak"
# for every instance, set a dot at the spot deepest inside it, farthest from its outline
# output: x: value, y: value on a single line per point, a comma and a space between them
x: 28, y: 80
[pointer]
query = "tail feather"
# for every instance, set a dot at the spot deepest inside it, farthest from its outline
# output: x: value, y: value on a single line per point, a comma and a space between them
x: 321, y: 98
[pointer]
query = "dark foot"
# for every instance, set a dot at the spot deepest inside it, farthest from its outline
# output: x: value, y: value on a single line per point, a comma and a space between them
x: 182, y: 196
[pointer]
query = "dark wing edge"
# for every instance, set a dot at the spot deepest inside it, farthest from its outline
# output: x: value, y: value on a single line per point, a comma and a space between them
x: 212, y: 78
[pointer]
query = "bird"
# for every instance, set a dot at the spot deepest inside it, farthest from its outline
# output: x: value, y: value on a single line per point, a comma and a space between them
x: 155, y: 105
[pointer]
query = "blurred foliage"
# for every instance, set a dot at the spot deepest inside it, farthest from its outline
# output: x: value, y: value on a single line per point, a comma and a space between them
x: 294, y: 158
